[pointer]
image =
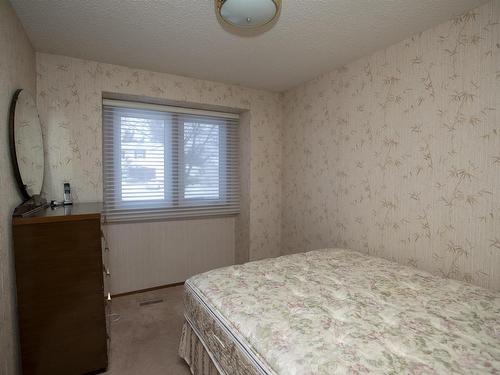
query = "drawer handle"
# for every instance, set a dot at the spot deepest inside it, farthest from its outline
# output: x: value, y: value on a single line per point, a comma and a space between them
x: 108, y: 298
x: 106, y: 271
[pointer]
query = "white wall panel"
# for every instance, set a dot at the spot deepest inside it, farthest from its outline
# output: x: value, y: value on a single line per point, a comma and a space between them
x: 150, y: 254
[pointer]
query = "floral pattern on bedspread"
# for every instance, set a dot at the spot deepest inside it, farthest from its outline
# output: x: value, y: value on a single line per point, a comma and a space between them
x: 336, y: 311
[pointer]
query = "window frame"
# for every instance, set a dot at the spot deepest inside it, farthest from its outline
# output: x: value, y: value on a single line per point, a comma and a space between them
x: 119, y: 202
x: 181, y: 165
x: 173, y: 184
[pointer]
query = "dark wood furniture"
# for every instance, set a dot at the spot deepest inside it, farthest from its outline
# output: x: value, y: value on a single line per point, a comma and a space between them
x: 60, y: 291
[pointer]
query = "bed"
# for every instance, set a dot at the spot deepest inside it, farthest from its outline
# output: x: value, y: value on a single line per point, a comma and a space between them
x: 336, y: 311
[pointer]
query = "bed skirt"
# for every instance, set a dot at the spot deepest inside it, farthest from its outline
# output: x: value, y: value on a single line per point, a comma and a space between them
x: 192, y: 350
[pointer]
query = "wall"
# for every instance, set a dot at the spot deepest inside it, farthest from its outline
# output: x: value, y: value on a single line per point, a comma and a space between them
x: 69, y: 102
x: 143, y: 255
x: 243, y: 219
x: 381, y: 155
x: 17, y: 70
x: 398, y: 154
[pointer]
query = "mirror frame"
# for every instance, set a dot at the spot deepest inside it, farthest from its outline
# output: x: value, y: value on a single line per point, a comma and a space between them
x: 12, y: 146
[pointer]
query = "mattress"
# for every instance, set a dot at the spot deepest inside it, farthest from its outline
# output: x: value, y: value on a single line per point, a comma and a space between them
x: 228, y: 352
x: 336, y: 311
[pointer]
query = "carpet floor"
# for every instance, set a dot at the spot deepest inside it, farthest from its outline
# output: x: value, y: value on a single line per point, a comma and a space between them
x: 145, y: 332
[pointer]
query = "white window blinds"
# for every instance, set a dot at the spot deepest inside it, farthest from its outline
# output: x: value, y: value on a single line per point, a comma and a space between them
x: 166, y: 162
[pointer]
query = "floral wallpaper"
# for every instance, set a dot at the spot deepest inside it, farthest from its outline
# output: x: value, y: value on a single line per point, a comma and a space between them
x: 17, y: 70
x: 69, y: 101
x: 398, y: 154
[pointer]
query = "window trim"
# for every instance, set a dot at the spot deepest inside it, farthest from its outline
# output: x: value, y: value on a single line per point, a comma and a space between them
x: 181, y: 192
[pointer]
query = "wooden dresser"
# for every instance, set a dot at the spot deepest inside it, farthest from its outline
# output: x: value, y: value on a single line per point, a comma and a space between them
x: 61, y: 297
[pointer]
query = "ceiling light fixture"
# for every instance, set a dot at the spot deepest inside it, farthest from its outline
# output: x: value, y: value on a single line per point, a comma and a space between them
x: 248, y: 13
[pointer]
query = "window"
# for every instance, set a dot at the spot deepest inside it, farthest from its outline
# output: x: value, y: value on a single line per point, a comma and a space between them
x: 165, y: 162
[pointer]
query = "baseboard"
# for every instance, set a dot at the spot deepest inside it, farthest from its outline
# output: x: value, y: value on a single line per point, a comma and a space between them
x: 147, y: 289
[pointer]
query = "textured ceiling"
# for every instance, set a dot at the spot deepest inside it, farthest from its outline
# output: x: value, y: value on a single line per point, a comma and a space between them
x: 184, y: 37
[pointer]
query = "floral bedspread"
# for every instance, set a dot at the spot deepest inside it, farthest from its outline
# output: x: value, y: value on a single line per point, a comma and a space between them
x: 336, y: 311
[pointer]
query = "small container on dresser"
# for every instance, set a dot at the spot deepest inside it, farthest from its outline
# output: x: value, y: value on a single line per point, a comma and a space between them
x: 60, y: 290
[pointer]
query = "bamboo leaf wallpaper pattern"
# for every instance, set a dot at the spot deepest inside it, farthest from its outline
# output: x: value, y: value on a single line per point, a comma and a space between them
x: 397, y: 154
x: 17, y: 70
x: 69, y: 101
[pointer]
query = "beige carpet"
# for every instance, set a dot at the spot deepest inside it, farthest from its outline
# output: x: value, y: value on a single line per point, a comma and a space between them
x: 144, y: 339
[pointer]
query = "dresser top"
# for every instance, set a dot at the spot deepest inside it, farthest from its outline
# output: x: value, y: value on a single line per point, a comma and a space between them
x: 75, y: 212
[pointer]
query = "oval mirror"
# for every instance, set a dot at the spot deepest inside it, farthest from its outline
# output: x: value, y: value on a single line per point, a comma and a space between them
x: 26, y: 144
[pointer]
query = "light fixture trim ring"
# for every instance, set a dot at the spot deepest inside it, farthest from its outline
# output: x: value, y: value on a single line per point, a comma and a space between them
x: 220, y: 3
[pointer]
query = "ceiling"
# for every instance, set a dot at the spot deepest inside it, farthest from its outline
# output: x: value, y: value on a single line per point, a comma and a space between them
x: 184, y: 37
